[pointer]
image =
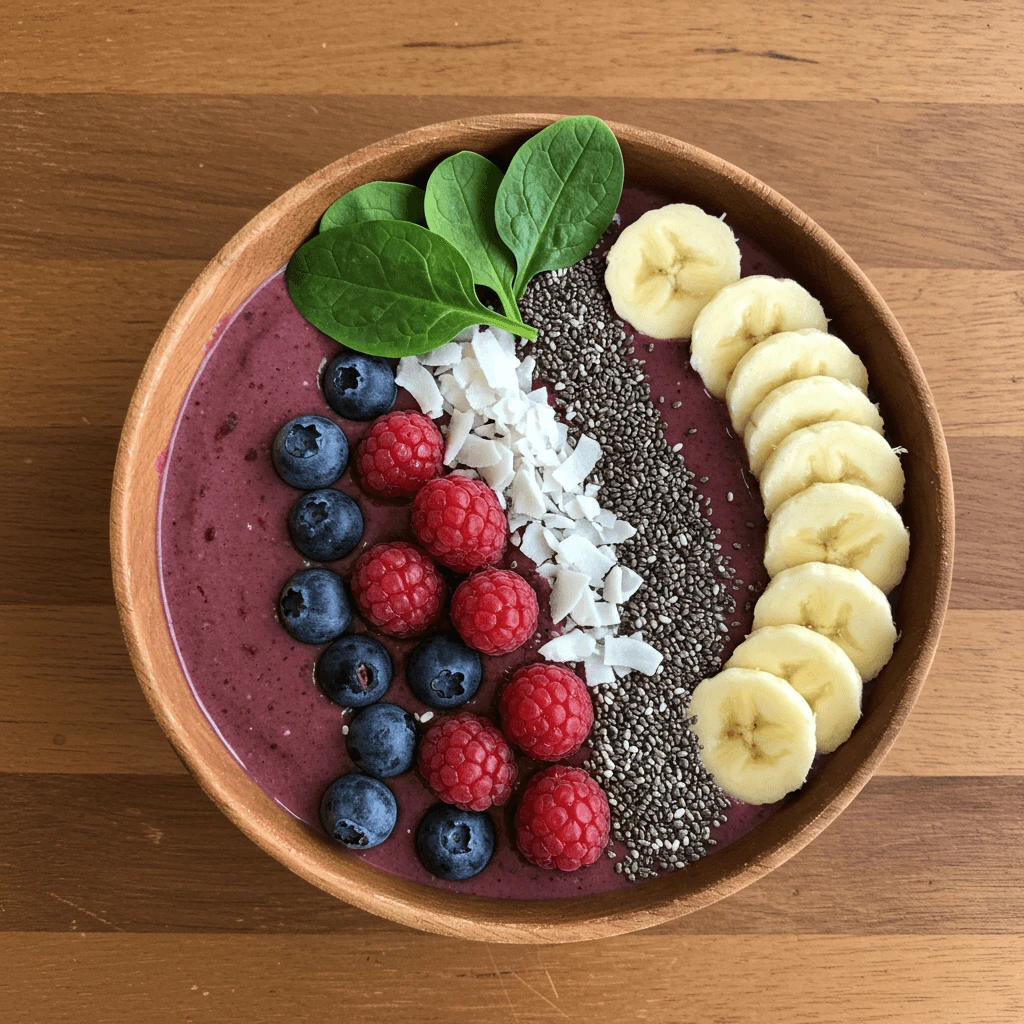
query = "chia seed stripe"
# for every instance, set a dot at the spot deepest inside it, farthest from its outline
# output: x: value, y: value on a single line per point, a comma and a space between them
x: 664, y: 803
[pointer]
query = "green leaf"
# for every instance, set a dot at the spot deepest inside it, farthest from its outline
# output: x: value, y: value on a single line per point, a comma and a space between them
x: 388, y: 288
x: 377, y: 200
x: 559, y: 195
x: 459, y: 206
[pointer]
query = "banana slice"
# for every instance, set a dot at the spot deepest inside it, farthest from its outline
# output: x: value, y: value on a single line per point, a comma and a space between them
x: 831, y: 453
x: 665, y: 266
x: 741, y: 316
x: 756, y: 731
x: 841, y: 604
x: 799, y: 404
x: 785, y: 357
x: 842, y: 524
x: 816, y: 668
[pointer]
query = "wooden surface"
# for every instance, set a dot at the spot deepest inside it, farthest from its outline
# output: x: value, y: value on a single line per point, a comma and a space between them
x: 136, y: 139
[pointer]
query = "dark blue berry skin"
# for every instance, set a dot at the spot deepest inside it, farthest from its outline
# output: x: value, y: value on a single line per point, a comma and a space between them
x: 360, y: 387
x: 358, y: 812
x: 382, y: 740
x: 443, y: 672
x: 453, y: 844
x: 325, y: 525
x: 310, y: 452
x: 314, y: 607
x: 355, y: 671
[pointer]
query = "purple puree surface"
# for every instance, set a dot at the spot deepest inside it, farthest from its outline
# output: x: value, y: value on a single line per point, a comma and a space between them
x: 224, y: 554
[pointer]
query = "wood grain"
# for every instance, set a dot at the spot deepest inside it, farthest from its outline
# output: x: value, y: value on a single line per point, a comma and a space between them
x: 879, y: 50
x: 800, y: 979
x: 896, y: 184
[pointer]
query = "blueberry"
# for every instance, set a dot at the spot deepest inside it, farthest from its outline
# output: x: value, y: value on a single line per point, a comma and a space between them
x: 355, y: 671
x: 325, y: 525
x: 359, y: 812
x: 314, y: 607
x: 360, y: 387
x: 443, y: 672
x: 454, y: 844
x: 310, y: 452
x: 382, y: 740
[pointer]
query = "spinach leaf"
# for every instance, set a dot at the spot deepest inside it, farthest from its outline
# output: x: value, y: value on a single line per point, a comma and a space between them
x: 559, y: 195
x: 376, y: 200
x: 388, y: 288
x: 459, y: 206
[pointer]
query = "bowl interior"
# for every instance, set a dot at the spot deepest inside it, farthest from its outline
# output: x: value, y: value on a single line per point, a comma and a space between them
x: 857, y: 314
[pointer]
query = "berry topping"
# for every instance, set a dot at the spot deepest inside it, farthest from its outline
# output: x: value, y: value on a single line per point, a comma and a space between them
x: 443, y: 672
x: 355, y: 671
x: 399, y: 454
x: 495, y: 611
x: 467, y: 762
x: 398, y: 589
x: 546, y: 711
x: 454, y: 844
x: 460, y: 523
x: 310, y: 452
x: 359, y: 387
x: 314, y: 607
x: 382, y: 740
x: 563, y: 819
x: 325, y: 525
x: 357, y: 811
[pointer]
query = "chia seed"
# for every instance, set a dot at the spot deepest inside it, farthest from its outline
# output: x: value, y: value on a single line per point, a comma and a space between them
x: 663, y: 801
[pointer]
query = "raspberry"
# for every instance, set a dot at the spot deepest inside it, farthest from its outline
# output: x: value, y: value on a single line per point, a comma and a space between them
x: 460, y: 523
x: 467, y: 762
x: 399, y: 454
x: 398, y: 589
x: 546, y: 711
x: 563, y: 819
x: 495, y: 611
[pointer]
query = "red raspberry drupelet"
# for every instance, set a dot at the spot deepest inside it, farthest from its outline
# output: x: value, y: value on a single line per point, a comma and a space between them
x: 563, y: 819
x: 546, y: 711
x: 398, y: 589
x: 399, y: 453
x: 495, y: 611
x: 467, y: 762
x: 460, y: 523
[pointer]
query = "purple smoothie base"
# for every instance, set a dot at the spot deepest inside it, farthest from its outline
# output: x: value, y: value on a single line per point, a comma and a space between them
x: 224, y: 554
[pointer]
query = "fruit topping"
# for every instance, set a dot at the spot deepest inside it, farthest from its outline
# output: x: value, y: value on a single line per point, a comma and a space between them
x: 495, y: 611
x: 563, y: 819
x: 741, y: 316
x: 467, y: 762
x: 756, y: 733
x: 460, y: 523
x: 839, y: 603
x: 546, y: 711
x: 359, y: 387
x: 382, y: 740
x: 314, y: 607
x: 355, y: 671
x: 325, y: 525
x: 665, y: 267
x: 310, y: 452
x: 397, y: 588
x: 358, y: 812
x: 454, y: 844
x: 443, y: 672
x: 399, y: 454
x: 818, y: 669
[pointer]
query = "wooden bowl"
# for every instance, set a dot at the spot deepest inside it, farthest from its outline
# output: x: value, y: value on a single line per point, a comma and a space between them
x: 858, y: 315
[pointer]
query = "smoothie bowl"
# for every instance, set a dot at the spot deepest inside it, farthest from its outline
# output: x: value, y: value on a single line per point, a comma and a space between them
x: 532, y: 529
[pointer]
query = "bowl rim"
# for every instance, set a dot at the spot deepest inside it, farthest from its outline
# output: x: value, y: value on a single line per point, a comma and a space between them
x: 136, y: 582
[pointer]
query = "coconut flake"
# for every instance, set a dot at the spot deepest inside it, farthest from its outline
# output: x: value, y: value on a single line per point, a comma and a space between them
x: 597, y: 672
x: 631, y: 583
x: 459, y: 427
x: 579, y: 553
x: 526, y: 495
x: 565, y: 594
x: 574, y: 646
x: 580, y: 464
x: 631, y: 653
x: 419, y: 382
x: 446, y: 355
x: 477, y: 452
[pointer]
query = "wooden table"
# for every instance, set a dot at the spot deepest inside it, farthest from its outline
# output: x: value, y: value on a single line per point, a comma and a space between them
x: 136, y: 139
